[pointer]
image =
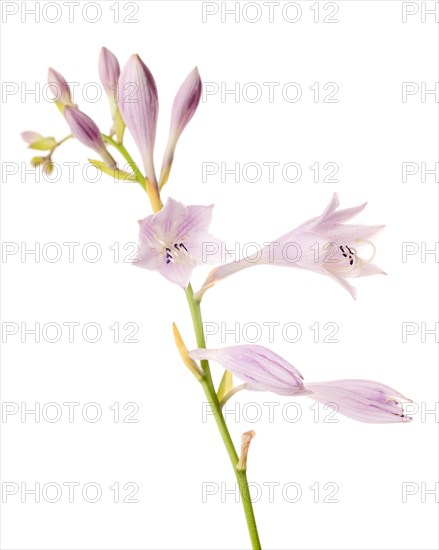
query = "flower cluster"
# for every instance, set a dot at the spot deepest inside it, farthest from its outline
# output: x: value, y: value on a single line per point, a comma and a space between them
x: 173, y: 239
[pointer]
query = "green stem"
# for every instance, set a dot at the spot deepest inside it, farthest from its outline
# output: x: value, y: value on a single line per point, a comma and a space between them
x: 148, y: 186
x: 61, y: 141
x: 211, y: 395
x: 122, y: 150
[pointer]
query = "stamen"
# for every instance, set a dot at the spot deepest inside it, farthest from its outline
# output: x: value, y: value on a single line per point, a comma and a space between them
x: 177, y: 253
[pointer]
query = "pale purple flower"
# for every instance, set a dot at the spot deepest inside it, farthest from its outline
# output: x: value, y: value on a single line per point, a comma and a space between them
x: 172, y: 240
x: 59, y: 88
x: 324, y: 244
x: 260, y: 368
x: 139, y: 105
x: 263, y: 370
x: 185, y: 104
x: 85, y: 130
x: 362, y: 400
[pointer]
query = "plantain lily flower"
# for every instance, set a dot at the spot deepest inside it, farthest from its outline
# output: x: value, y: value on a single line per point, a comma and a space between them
x: 259, y: 367
x: 185, y: 104
x: 324, y: 244
x: 85, y: 130
x: 171, y: 241
x: 362, y: 400
x: 139, y: 105
x: 59, y: 89
x: 263, y: 370
x: 109, y: 72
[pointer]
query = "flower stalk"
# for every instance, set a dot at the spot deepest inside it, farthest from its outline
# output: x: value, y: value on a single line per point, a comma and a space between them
x: 209, y: 390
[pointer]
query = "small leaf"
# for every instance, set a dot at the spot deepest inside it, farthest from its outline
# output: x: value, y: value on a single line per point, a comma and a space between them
x: 45, y: 144
x: 114, y: 172
x: 226, y: 385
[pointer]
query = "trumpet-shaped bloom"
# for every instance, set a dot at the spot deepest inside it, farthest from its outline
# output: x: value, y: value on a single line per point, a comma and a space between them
x: 139, y: 106
x: 362, y: 400
x: 59, y: 88
x: 172, y: 240
x: 85, y: 130
x: 260, y: 368
x: 185, y: 104
x: 324, y: 244
x: 263, y: 370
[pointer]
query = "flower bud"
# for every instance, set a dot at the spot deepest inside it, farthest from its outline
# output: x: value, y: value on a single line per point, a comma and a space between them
x: 31, y: 137
x: 109, y: 71
x: 86, y: 131
x: 59, y: 88
x: 138, y: 105
x: 45, y: 163
x: 38, y: 142
x: 259, y: 367
x: 185, y: 104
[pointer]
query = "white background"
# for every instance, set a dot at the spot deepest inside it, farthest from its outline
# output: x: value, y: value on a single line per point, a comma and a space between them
x: 171, y: 452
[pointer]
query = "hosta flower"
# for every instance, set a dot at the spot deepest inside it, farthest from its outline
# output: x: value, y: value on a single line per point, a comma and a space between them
x: 85, y: 130
x: 325, y: 245
x: 109, y: 72
x: 362, y: 400
x: 184, y: 107
x: 263, y: 370
x: 259, y: 367
x: 59, y: 89
x: 139, y: 106
x: 172, y: 241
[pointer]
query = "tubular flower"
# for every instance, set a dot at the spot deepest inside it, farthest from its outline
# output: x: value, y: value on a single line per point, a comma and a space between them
x: 171, y: 241
x: 259, y: 367
x: 362, y: 400
x: 185, y: 104
x: 86, y: 131
x: 139, y: 106
x: 324, y: 244
x: 109, y: 72
x: 263, y: 370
